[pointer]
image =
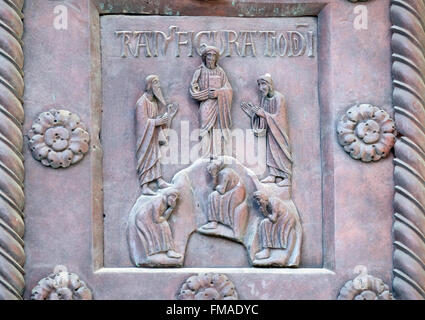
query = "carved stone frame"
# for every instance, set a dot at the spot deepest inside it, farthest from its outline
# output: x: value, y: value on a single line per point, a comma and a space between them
x: 306, y: 275
x: 408, y: 44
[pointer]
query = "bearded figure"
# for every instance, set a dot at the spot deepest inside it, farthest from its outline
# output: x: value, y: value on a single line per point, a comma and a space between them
x: 270, y: 120
x: 212, y: 89
x: 150, y: 126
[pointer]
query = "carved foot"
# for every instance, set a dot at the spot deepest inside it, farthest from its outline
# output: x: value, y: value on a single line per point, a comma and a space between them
x: 162, y: 260
x: 210, y: 226
x: 162, y: 184
x: 269, y: 179
x: 174, y: 255
x: 264, y: 254
x: 147, y: 191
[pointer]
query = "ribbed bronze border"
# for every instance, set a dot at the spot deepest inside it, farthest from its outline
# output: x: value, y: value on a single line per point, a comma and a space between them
x: 12, y: 255
x: 408, y: 46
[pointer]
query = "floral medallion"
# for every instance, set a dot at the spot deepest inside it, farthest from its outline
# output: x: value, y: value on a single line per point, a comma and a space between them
x: 58, y: 139
x: 367, y: 133
x: 208, y: 286
x: 365, y: 287
x: 61, y: 285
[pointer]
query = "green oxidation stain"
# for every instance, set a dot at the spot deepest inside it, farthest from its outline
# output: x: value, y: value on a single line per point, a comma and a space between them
x: 298, y: 10
x: 233, y: 3
x: 250, y: 10
x: 106, y: 7
x: 168, y: 11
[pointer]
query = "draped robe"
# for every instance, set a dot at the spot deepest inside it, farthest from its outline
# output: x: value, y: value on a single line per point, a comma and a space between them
x: 275, y: 127
x: 147, y: 226
x: 224, y: 202
x: 148, y: 137
x: 274, y: 234
x: 215, y: 113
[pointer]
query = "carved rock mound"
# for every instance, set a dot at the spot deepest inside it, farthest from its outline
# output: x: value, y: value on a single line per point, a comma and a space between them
x: 217, y: 201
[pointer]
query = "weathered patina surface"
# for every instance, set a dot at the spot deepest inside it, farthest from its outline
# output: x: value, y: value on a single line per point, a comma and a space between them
x: 78, y: 216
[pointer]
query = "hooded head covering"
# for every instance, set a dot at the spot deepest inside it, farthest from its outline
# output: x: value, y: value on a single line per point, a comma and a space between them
x: 149, y: 80
x: 155, y: 89
x: 267, y: 78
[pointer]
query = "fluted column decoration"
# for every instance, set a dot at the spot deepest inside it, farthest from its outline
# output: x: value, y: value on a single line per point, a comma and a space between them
x: 408, y: 45
x: 12, y: 255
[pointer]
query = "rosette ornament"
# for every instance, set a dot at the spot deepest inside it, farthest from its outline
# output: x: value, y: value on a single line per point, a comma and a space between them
x: 58, y: 139
x: 208, y: 286
x: 365, y: 287
x: 367, y: 133
x: 61, y: 286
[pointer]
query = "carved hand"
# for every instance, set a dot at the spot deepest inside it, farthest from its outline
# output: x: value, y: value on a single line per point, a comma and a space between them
x: 168, y: 213
x: 161, y: 220
x: 172, y: 109
x: 259, y: 112
x: 220, y: 189
x: 247, y: 108
x: 213, y: 94
x: 273, y: 218
x: 162, y: 120
x: 200, y: 95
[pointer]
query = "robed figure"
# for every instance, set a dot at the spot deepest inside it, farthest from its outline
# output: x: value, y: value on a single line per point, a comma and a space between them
x: 149, y: 233
x: 150, y: 126
x: 270, y: 120
x: 279, y: 230
x: 227, y: 203
x: 211, y: 87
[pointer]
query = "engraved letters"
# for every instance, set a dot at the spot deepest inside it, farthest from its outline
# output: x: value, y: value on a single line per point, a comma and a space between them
x: 232, y: 43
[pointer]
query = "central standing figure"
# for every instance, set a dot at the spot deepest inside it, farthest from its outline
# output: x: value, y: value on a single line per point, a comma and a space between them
x: 212, y: 89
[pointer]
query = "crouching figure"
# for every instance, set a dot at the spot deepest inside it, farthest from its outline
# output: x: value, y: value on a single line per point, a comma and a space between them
x: 149, y: 234
x: 227, y: 205
x: 280, y: 232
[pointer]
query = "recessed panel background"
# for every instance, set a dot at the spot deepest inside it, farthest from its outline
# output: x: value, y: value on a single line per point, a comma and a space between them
x: 123, y: 83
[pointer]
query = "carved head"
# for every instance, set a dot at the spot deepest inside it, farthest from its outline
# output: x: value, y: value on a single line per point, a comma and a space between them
x: 265, y: 85
x: 172, y: 196
x: 210, y: 56
x: 262, y: 199
x: 153, y: 86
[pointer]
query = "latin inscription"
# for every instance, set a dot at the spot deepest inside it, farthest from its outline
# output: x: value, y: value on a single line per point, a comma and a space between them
x: 232, y: 43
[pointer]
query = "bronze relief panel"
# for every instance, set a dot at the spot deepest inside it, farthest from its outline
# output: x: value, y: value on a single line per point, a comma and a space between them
x: 182, y: 101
